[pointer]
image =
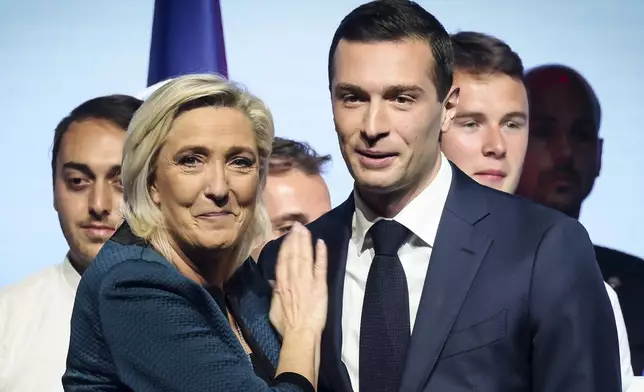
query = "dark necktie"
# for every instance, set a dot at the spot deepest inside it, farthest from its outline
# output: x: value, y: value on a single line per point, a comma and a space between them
x: 384, y: 328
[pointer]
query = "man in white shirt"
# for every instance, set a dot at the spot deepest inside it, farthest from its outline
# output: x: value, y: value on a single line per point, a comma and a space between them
x: 489, y: 136
x: 35, y: 313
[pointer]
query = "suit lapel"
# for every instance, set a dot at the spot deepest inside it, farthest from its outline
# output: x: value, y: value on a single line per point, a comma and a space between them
x: 337, y: 234
x: 458, y: 251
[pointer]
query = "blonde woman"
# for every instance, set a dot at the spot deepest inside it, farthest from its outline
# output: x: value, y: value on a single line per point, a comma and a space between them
x: 172, y: 302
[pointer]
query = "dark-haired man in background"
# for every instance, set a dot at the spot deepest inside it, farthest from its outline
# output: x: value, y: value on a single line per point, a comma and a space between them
x: 437, y: 283
x: 489, y: 135
x: 86, y: 171
x: 295, y: 190
x: 562, y: 162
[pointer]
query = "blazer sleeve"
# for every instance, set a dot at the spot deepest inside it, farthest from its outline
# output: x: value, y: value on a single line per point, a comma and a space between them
x: 575, y: 347
x: 164, y: 334
x: 268, y: 259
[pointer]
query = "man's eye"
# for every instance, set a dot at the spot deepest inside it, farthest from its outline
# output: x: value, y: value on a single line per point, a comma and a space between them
x: 469, y: 124
x: 77, y: 182
x: 349, y: 98
x: 404, y: 100
x: 284, y: 230
x: 512, y: 125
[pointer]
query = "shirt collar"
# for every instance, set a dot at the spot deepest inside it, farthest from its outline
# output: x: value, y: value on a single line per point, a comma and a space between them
x: 72, y: 277
x: 421, y: 216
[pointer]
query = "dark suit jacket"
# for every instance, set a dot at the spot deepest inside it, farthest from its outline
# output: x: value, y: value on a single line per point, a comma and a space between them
x: 139, y: 325
x: 626, y: 273
x: 513, y: 300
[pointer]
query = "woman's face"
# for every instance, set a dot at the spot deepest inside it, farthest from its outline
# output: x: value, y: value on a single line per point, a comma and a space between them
x: 206, y: 179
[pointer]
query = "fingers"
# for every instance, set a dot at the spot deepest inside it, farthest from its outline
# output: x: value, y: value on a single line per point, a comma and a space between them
x: 296, y: 254
x: 305, y: 266
x: 321, y: 262
x: 296, y: 260
x: 284, y: 257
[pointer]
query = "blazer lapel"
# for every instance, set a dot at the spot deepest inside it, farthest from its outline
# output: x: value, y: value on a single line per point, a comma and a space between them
x: 458, y: 251
x: 336, y: 232
x: 252, y: 298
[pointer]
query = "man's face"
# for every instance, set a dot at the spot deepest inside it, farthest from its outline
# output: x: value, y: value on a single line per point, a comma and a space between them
x: 387, y: 114
x: 564, y: 151
x: 87, y: 186
x: 295, y: 196
x: 489, y: 134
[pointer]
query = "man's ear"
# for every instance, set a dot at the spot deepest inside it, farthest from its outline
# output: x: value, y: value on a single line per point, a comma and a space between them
x: 449, y: 105
x: 600, y: 151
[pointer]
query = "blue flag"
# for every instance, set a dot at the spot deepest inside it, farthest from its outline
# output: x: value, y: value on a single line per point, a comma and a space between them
x: 187, y: 38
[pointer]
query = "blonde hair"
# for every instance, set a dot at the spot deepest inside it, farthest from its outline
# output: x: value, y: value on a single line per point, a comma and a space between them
x: 149, y: 130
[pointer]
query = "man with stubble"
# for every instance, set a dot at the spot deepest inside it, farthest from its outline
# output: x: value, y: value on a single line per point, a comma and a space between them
x: 562, y: 162
x: 35, y: 313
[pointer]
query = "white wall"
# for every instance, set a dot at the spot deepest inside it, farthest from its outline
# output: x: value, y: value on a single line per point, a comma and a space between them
x: 55, y: 55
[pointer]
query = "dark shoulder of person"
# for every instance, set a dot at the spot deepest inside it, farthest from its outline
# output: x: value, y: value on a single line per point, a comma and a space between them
x: 121, y: 247
x: 616, y: 265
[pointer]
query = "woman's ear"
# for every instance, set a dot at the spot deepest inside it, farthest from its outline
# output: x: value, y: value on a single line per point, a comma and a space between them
x: 154, y: 194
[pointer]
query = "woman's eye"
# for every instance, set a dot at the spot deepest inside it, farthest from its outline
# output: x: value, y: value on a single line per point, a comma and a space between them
x: 190, y: 161
x: 242, y: 162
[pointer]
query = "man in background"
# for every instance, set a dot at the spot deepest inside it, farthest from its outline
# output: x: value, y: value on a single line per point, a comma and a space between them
x: 562, y: 162
x: 489, y: 135
x: 295, y: 190
x: 35, y: 313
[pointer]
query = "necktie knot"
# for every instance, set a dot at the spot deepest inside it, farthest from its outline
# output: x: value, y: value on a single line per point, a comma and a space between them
x: 387, y: 237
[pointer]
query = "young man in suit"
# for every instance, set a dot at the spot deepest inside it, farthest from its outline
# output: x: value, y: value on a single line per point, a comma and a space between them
x: 437, y: 283
x: 489, y: 135
x: 562, y: 162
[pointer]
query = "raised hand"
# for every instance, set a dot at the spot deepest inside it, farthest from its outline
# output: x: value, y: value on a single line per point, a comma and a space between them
x: 300, y: 296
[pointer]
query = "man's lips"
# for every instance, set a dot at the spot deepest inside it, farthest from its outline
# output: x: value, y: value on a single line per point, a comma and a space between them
x: 376, y: 154
x: 567, y: 178
x: 491, y: 175
x: 99, y: 231
x: 373, y: 159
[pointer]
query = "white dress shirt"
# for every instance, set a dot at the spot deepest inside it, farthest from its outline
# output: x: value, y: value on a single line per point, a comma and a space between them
x: 34, y: 329
x: 421, y: 216
x: 622, y: 336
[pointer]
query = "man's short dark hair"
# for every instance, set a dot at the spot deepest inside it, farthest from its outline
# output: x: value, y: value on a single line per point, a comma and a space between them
x: 573, y: 77
x: 119, y: 109
x: 481, y: 54
x: 290, y: 154
x: 394, y: 21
